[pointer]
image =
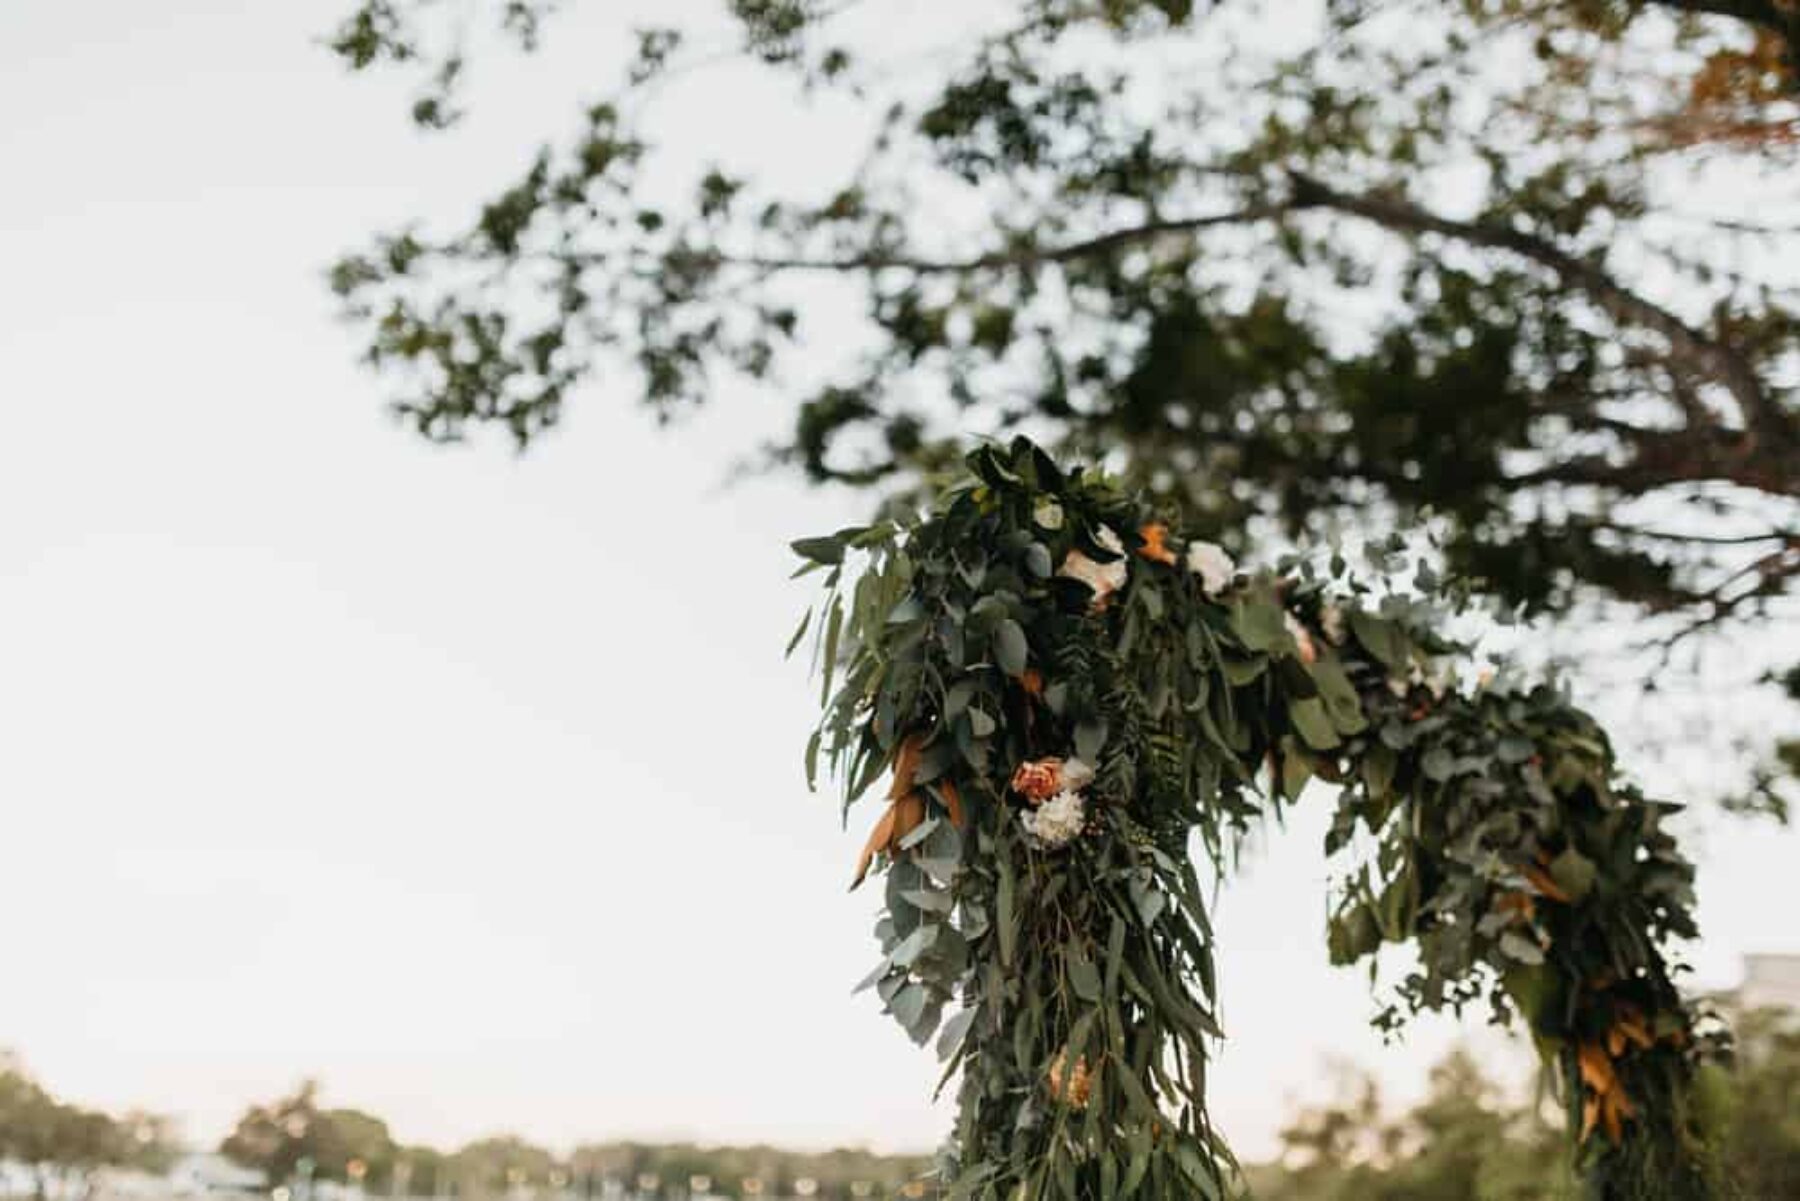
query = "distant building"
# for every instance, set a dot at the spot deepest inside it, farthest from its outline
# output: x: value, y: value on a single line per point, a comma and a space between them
x: 209, y: 1175
x: 1770, y: 981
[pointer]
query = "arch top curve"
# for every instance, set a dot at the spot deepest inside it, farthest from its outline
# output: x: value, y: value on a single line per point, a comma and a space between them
x: 1069, y: 696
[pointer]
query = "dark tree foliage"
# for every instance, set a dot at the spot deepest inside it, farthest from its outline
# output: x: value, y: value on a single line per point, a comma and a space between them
x: 292, y: 1135
x: 1464, y: 259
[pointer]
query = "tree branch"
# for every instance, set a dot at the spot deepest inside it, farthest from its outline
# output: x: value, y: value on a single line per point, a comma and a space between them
x: 1664, y: 457
x: 1779, y: 18
x: 1770, y: 573
x: 1692, y: 352
x: 1022, y: 256
x: 1688, y: 347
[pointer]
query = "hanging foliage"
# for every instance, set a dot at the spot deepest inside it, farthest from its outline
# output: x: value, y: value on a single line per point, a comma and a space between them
x: 1068, y: 698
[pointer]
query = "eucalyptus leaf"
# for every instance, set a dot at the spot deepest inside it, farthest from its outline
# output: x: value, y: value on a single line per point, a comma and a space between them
x: 819, y: 550
x: 1009, y: 647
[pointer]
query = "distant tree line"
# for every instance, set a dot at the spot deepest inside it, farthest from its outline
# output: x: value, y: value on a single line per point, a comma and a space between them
x: 295, y: 1136
x: 1465, y: 1141
x: 66, y: 1143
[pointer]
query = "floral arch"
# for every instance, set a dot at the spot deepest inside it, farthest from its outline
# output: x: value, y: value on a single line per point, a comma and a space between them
x: 1065, y: 693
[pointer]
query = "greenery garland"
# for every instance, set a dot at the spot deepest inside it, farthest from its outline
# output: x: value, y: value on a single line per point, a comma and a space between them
x: 1065, y: 693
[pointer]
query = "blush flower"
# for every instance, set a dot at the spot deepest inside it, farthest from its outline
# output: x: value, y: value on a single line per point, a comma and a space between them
x: 1103, y: 579
x: 1038, y: 780
x: 1215, y: 568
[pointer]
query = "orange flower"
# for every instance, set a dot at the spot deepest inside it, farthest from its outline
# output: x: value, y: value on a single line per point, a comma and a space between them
x: 1037, y: 780
x: 1032, y: 682
x: 1081, y: 1081
x: 1155, y: 547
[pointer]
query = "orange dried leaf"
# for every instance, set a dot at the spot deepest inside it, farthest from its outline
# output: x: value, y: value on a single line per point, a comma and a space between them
x: 906, y: 765
x: 1613, y: 1108
x: 1546, y: 886
x: 952, y: 803
x: 1596, y: 1068
x: 1521, y: 903
x: 879, y: 839
x: 1630, y: 1025
x: 909, y: 812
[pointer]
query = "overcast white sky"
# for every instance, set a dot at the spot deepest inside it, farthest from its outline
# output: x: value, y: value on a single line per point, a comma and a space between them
x: 464, y: 781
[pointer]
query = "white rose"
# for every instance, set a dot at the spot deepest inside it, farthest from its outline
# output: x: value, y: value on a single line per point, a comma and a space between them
x: 1057, y: 821
x: 1103, y: 579
x: 1215, y: 568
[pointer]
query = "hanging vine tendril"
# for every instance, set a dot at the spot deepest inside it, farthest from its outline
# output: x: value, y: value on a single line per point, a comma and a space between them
x: 1066, y: 693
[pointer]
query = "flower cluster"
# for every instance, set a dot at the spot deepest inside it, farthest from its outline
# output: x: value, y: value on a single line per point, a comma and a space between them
x: 1208, y: 560
x: 1080, y: 1085
x: 1052, y: 788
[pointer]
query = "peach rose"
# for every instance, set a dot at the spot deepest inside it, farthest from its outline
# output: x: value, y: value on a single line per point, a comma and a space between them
x: 1038, y: 780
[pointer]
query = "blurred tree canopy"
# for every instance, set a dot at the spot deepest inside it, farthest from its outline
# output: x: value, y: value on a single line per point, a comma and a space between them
x: 58, y: 1139
x: 1525, y: 267
x: 335, y: 1144
x: 1466, y: 1142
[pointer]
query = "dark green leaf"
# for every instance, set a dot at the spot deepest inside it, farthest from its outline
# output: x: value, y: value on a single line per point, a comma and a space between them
x: 819, y: 550
x: 1009, y: 647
